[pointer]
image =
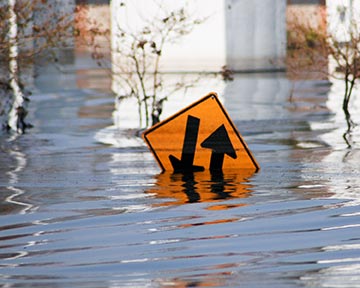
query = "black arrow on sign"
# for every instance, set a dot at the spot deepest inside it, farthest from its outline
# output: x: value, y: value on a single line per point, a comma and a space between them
x: 220, y: 144
x: 185, y: 164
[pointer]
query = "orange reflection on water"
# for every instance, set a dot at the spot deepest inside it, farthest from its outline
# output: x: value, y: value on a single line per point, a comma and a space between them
x: 215, y: 280
x: 203, y: 187
x: 218, y: 221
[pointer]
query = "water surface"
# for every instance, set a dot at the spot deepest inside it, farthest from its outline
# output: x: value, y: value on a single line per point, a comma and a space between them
x: 75, y: 212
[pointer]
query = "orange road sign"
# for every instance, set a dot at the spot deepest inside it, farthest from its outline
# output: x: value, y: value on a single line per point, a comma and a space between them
x: 199, y: 137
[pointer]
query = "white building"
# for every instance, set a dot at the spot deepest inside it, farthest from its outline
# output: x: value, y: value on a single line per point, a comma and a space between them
x: 242, y: 34
x: 342, y: 17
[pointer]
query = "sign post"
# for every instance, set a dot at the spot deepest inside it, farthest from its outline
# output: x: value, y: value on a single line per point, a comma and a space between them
x: 199, y: 137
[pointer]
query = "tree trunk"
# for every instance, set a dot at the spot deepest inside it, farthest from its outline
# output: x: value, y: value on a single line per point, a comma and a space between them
x: 346, y: 101
x: 17, y: 111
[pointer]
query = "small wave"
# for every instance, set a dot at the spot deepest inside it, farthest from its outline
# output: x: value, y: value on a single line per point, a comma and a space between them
x: 119, y: 138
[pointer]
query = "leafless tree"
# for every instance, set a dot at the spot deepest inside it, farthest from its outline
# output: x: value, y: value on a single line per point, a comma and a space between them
x: 311, y: 48
x: 137, y: 65
x: 18, y: 33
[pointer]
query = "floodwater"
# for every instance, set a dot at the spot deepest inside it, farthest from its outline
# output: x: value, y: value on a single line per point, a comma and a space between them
x: 76, y: 212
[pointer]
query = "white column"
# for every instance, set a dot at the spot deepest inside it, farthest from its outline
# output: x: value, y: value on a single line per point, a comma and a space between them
x: 201, y: 50
x: 342, y: 16
x: 255, y: 34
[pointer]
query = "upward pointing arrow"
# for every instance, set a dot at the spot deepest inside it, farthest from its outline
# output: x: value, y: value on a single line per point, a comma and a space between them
x: 220, y: 144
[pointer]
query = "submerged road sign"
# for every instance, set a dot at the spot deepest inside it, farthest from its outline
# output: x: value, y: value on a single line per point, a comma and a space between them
x: 199, y: 137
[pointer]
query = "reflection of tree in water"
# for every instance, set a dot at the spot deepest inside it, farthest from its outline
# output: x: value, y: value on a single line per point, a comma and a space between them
x: 202, y: 186
x: 12, y: 202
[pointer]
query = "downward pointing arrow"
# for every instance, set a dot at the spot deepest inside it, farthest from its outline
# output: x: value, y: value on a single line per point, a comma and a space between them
x: 220, y: 144
x: 185, y: 164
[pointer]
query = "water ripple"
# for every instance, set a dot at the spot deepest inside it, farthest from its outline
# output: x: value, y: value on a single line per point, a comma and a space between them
x: 76, y: 213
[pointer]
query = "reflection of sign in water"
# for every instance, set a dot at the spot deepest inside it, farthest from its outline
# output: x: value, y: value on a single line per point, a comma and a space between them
x: 199, y: 137
x: 202, y: 187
